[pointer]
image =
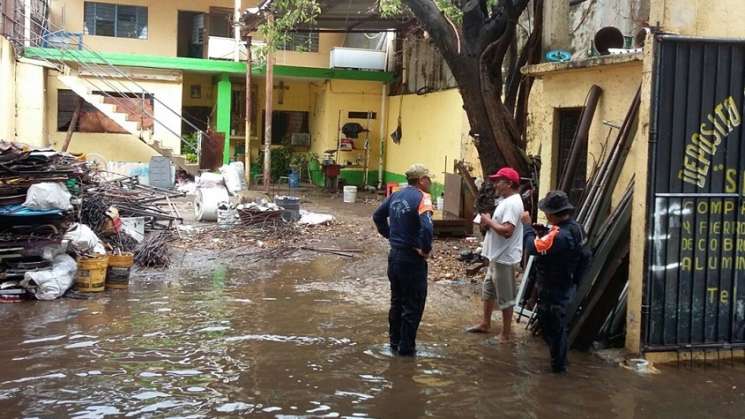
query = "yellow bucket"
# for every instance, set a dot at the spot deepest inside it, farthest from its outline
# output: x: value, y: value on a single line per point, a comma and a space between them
x: 117, y: 275
x: 91, y: 276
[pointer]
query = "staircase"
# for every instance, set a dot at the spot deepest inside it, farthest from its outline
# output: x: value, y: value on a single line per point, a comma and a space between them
x: 111, y: 107
x: 104, y: 85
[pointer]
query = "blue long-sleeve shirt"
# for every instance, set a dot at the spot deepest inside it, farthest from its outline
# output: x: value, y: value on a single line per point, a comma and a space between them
x: 558, y: 252
x: 405, y: 219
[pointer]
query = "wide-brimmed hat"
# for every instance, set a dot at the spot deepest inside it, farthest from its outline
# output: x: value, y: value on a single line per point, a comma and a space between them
x: 555, y: 202
x: 417, y: 171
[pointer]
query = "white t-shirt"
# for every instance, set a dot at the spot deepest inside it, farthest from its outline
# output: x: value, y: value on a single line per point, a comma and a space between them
x: 498, y: 248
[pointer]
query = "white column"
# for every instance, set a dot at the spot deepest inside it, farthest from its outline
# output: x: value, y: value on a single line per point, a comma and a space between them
x: 237, y: 30
x: 27, y: 23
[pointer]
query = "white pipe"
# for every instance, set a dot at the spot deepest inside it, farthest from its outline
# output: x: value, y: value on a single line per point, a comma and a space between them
x: 237, y: 30
x: 383, y: 119
x: 27, y: 23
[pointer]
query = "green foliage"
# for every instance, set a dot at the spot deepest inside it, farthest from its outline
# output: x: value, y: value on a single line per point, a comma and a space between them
x: 391, y: 8
x: 299, y: 162
x: 189, y: 147
x: 280, y: 165
x: 288, y: 14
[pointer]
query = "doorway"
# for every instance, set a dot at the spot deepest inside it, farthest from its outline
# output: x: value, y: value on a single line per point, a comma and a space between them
x: 191, y: 34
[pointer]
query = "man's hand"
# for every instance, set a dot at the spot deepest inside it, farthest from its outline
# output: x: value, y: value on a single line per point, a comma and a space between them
x: 422, y: 254
x: 526, y: 219
x: 485, y: 219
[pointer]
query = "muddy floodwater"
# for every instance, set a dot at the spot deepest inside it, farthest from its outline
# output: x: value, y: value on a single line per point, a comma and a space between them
x: 306, y: 338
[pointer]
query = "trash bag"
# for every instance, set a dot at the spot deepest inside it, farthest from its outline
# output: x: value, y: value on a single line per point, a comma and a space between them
x: 209, y: 180
x: 84, y: 240
x: 232, y: 178
x: 53, y: 283
x: 48, y: 195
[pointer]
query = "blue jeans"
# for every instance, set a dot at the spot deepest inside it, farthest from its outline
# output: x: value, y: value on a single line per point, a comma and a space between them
x: 552, y: 312
x: 407, y: 273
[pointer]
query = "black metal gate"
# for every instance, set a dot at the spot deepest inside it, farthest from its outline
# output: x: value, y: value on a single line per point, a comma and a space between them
x: 694, y: 296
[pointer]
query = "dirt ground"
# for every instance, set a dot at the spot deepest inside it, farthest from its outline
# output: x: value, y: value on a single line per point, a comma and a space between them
x: 352, y: 229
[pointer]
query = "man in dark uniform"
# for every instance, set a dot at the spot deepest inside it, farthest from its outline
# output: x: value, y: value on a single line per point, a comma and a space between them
x: 559, y: 256
x: 405, y: 219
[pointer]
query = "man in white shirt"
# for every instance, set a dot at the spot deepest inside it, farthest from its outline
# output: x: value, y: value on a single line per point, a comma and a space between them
x: 503, y: 246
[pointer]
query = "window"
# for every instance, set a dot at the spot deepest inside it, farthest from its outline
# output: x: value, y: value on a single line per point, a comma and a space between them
x: 568, y: 121
x: 103, y: 19
x: 303, y: 42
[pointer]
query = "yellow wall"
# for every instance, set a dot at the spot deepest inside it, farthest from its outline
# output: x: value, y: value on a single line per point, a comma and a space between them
x: 31, y: 127
x: 568, y: 89
x: 7, y: 86
x: 121, y: 147
x: 434, y: 128
x: 207, y: 84
x: 163, y: 29
x: 721, y: 18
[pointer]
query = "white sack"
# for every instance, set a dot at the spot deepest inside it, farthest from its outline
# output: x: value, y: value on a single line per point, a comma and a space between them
x: 84, y: 240
x: 312, y: 218
x: 47, y: 195
x: 209, y: 180
x: 53, y: 283
x: 232, y: 178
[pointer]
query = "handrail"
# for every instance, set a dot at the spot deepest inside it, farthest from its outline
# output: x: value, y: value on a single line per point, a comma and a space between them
x: 106, y: 77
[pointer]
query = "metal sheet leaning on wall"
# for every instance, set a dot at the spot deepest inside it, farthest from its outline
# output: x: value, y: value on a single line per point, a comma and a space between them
x: 694, y: 293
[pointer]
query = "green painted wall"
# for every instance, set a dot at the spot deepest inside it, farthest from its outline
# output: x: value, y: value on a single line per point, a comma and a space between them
x: 224, y: 102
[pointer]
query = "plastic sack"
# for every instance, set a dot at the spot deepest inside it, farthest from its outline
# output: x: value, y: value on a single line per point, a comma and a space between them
x: 232, y: 177
x: 209, y: 180
x: 53, y: 283
x: 84, y: 240
x: 312, y: 218
x: 47, y: 195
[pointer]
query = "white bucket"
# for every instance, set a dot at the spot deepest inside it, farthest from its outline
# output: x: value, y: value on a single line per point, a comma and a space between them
x: 206, y: 202
x: 350, y: 194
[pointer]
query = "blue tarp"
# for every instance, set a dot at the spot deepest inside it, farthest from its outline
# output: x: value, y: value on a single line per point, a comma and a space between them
x: 21, y: 211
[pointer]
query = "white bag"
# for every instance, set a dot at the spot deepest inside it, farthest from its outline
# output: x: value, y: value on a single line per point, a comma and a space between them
x: 47, y: 195
x: 53, y: 283
x: 232, y: 179
x: 209, y: 180
x: 84, y: 240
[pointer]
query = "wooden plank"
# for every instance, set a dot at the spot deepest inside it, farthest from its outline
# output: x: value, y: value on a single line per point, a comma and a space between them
x: 453, y: 195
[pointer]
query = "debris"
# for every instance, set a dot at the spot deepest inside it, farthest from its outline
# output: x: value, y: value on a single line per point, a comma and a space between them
x: 153, y: 251
x: 51, y: 283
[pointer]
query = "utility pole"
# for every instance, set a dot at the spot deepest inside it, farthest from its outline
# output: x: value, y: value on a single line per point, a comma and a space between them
x: 247, y: 147
x: 268, y: 112
x: 237, y: 31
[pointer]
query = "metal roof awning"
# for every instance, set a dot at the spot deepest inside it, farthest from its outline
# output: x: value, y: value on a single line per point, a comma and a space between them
x: 355, y: 16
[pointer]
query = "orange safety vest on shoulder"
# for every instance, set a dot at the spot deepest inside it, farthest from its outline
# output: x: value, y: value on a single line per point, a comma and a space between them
x: 545, y: 243
x: 425, y: 205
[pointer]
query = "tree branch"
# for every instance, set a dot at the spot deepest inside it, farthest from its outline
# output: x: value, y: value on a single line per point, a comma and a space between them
x: 436, y: 25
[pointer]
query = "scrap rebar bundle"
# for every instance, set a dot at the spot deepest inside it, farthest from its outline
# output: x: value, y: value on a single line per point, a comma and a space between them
x: 153, y: 251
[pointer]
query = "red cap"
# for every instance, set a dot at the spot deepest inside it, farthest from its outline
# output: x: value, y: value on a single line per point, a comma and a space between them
x: 507, y: 173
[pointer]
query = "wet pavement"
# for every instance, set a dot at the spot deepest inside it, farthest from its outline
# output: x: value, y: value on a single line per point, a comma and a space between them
x: 306, y: 339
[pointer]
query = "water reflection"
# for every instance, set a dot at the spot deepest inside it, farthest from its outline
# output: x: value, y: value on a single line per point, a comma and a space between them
x: 307, y: 340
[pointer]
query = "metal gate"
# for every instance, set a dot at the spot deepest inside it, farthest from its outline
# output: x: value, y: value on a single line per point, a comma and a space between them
x: 694, y: 296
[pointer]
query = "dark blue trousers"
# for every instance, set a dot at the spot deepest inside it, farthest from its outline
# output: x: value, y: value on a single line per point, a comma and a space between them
x: 407, y: 273
x: 553, y: 317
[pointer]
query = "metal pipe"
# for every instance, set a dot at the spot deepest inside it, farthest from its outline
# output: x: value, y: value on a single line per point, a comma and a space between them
x: 383, y: 119
x: 580, y: 138
x: 237, y: 30
x: 247, y: 145
x: 269, y: 103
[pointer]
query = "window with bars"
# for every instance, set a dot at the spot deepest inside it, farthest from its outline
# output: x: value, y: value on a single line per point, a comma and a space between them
x: 117, y: 20
x: 301, y: 41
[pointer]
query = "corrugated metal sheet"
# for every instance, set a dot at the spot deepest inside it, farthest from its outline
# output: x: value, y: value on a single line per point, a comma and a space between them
x: 424, y: 70
x: 695, y: 286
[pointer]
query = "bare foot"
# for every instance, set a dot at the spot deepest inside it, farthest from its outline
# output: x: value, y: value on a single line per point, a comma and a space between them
x: 480, y: 328
x: 504, y: 338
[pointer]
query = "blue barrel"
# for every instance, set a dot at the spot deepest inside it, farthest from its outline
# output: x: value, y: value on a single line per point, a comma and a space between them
x: 294, y: 179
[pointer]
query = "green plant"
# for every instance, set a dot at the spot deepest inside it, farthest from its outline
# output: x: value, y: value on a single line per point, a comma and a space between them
x: 189, y: 147
x: 280, y: 165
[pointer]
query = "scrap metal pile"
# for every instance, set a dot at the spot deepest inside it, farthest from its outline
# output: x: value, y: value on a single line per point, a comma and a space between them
x: 55, y: 204
x: 596, y: 315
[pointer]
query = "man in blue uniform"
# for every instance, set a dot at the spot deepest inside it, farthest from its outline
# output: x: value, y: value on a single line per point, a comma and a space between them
x: 559, y: 258
x: 405, y: 219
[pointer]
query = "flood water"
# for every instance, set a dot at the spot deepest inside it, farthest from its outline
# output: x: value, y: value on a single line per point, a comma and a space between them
x: 307, y: 339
